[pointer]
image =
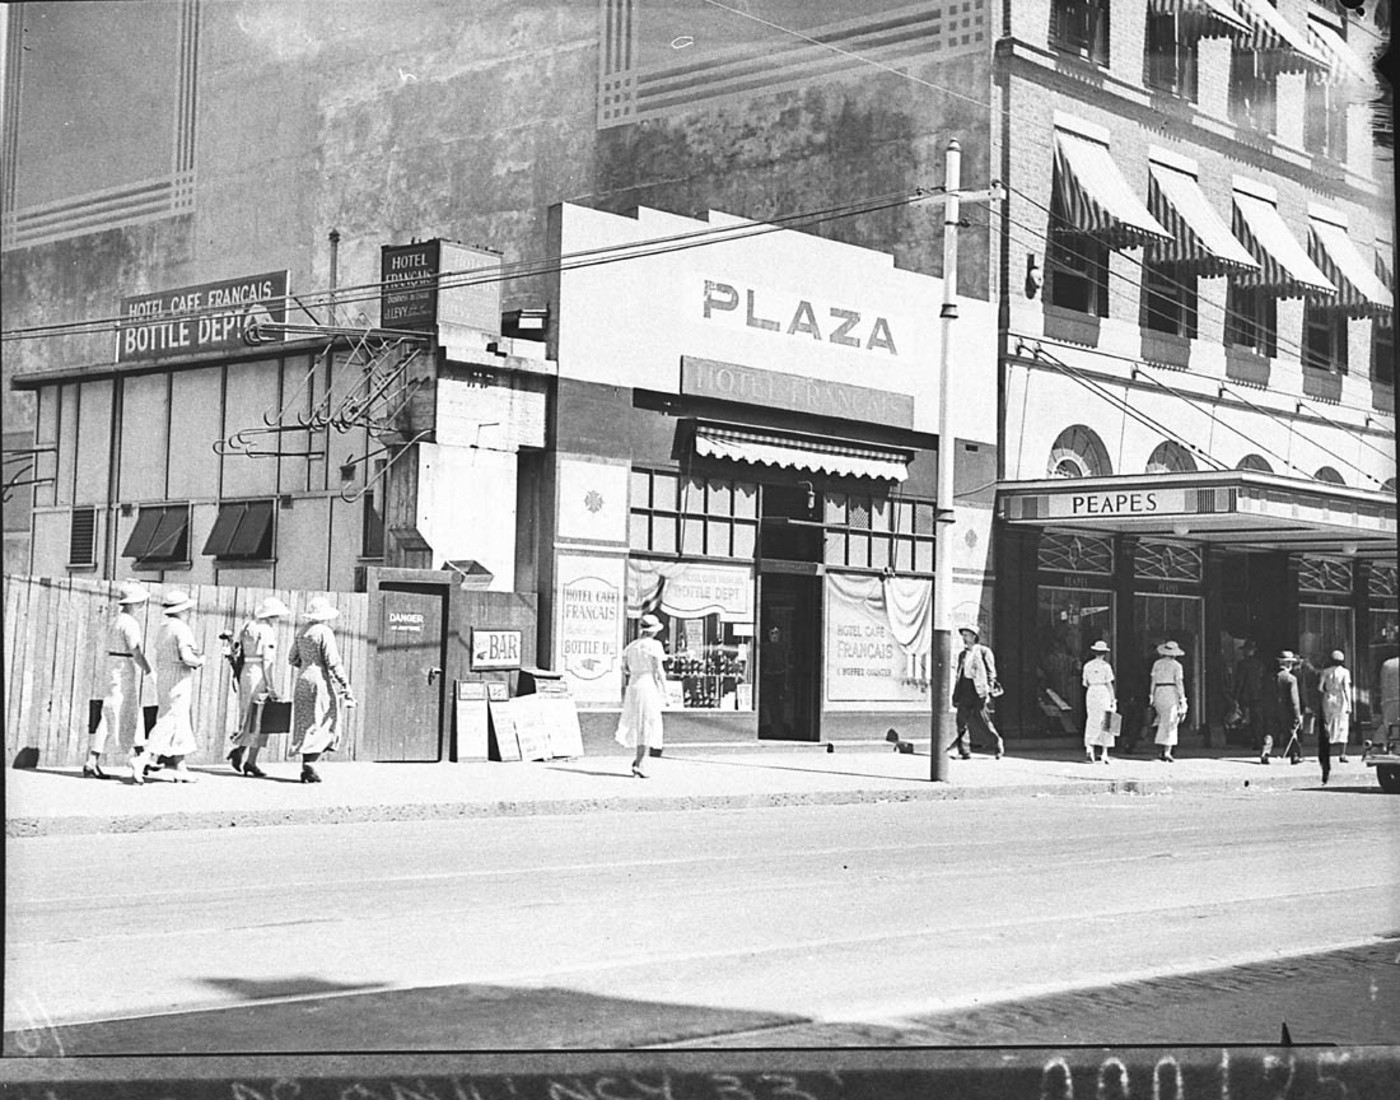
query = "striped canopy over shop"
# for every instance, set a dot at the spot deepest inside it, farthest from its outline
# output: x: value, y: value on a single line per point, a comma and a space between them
x: 1278, y: 46
x: 1093, y: 198
x: 1344, y: 65
x: 797, y: 452
x: 1201, y: 18
x: 1284, y: 266
x: 1201, y: 241
x: 1360, y: 292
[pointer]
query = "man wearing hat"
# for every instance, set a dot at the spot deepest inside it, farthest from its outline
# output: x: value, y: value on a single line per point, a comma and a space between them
x: 121, y: 706
x: 1168, y: 686
x: 177, y: 658
x: 1286, y: 716
x: 1335, y: 688
x: 1100, y: 702
x: 973, y: 684
x: 257, y: 646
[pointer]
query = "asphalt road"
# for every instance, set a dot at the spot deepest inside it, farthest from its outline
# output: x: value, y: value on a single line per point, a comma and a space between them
x: 925, y: 922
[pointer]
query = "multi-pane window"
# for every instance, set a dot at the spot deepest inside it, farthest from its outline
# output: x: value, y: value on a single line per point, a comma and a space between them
x: 1080, y: 27
x: 82, y: 537
x: 1078, y: 273
x: 1251, y: 319
x: 869, y: 532
x: 1168, y: 299
x: 694, y: 516
x: 1325, y: 120
x: 1253, y: 92
x: 161, y: 534
x: 1324, y: 338
x: 1170, y: 59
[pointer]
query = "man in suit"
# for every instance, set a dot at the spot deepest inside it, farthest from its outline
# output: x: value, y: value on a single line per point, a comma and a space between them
x: 972, y: 693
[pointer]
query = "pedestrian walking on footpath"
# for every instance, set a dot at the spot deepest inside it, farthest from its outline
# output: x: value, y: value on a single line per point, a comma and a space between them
x: 1286, y: 714
x: 177, y: 660
x: 643, y: 693
x: 1335, y: 688
x: 1168, y: 698
x: 1100, y: 703
x: 1310, y: 698
x: 974, y: 686
x: 257, y: 650
x: 121, y: 705
x: 321, y: 688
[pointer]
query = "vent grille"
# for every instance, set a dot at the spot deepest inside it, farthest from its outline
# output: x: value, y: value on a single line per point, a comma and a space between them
x: 82, y: 537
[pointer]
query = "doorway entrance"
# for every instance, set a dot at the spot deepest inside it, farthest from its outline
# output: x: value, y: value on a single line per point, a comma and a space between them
x: 789, y: 656
x: 409, y: 658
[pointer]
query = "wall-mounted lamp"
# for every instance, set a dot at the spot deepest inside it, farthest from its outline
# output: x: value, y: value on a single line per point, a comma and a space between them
x: 1181, y: 530
x: 1032, y: 283
x: 811, y: 494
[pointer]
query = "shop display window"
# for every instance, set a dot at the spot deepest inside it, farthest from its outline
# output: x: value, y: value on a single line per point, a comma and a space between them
x: 1068, y: 622
x: 708, y: 614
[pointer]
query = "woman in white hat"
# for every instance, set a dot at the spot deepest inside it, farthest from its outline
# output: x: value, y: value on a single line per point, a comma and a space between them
x: 1168, y: 697
x: 321, y: 686
x: 121, y: 705
x: 1100, y: 701
x: 644, y: 692
x: 177, y: 658
x: 1335, y: 687
x: 257, y: 647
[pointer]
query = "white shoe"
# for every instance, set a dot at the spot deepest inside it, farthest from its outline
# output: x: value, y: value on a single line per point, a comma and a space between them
x: 138, y: 767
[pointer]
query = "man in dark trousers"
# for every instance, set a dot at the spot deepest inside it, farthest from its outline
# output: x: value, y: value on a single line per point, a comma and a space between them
x: 1285, y: 716
x: 1250, y: 677
x: 974, y: 687
x: 1310, y: 698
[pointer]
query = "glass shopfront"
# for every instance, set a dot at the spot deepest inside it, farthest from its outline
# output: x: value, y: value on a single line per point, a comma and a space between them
x: 1068, y: 622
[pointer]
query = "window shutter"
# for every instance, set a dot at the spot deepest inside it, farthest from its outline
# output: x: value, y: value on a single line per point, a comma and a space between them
x: 82, y: 537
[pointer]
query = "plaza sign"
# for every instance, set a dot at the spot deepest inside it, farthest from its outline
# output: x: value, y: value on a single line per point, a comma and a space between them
x: 200, y: 318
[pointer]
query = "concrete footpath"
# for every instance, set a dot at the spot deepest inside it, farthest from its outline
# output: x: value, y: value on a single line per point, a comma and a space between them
x: 48, y: 802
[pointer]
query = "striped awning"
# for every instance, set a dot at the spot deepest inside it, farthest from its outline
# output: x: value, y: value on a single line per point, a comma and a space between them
x: 1282, y: 47
x: 1344, y: 65
x: 1202, y: 18
x: 1384, y: 250
x: 1200, y: 238
x: 1360, y: 291
x: 1284, y: 266
x: 794, y: 452
x: 1094, y: 197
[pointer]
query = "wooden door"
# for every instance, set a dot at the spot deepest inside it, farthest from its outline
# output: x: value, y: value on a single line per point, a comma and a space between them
x: 408, y: 664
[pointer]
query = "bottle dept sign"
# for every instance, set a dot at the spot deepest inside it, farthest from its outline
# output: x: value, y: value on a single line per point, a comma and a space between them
x: 200, y: 318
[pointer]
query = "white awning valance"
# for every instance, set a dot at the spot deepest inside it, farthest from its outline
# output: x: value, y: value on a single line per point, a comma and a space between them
x: 796, y: 452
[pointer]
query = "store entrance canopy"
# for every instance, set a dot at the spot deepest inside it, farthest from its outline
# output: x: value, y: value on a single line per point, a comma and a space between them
x: 1239, y: 509
x: 795, y: 451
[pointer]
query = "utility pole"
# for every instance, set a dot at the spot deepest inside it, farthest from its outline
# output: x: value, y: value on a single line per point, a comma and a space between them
x: 941, y: 656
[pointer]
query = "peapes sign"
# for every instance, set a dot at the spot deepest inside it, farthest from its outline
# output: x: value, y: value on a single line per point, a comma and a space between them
x: 205, y: 317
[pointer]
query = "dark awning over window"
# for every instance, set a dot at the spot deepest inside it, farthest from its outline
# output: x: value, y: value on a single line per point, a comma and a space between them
x: 242, y: 530
x: 1361, y: 292
x: 1201, y: 239
x: 161, y: 533
x: 1096, y: 199
x: 1284, y: 266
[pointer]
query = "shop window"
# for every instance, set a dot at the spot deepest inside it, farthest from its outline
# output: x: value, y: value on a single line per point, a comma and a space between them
x: 695, y: 516
x: 1168, y: 299
x: 1068, y: 622
x: 707, y: 609
x: 1325, y: 120
x: 1251, y: 319
x: 161, y: 535
x: 1253, y: 93
x: 82, y: 538
x: 1383, y: 353
x: 1080, y: 27
x: 1079, y: 452
x: 1324, y: 338
x: 868, y: 532
x: 1170, y: 60
x: 372, y: 520
x: 242, y: 532
x: 1170, y: 457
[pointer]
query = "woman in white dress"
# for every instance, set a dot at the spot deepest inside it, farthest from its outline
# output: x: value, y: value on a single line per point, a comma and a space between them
x: 257, y: 642
x: 1335, y: 687
x: 644, y: 692
x: 1168, y: 697
x: 1100, y: 701
x: 177, y: 659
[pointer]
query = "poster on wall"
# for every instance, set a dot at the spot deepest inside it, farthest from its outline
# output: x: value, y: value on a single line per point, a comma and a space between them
x: 877, y: 641
x: 588, y: 631
x: 689, y: 590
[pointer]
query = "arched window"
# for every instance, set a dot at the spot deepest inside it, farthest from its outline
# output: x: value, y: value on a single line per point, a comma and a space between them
x: 1258, y: 463
x: 1079, y: 452
x: 1389, y: 486
x: 1170, y: 457
x: 1330, y: 475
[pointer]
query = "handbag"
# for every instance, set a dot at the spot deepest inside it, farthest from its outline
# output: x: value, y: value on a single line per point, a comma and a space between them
x: 276, y: 716
x: 996, y: 691
x: 1113, y: 723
